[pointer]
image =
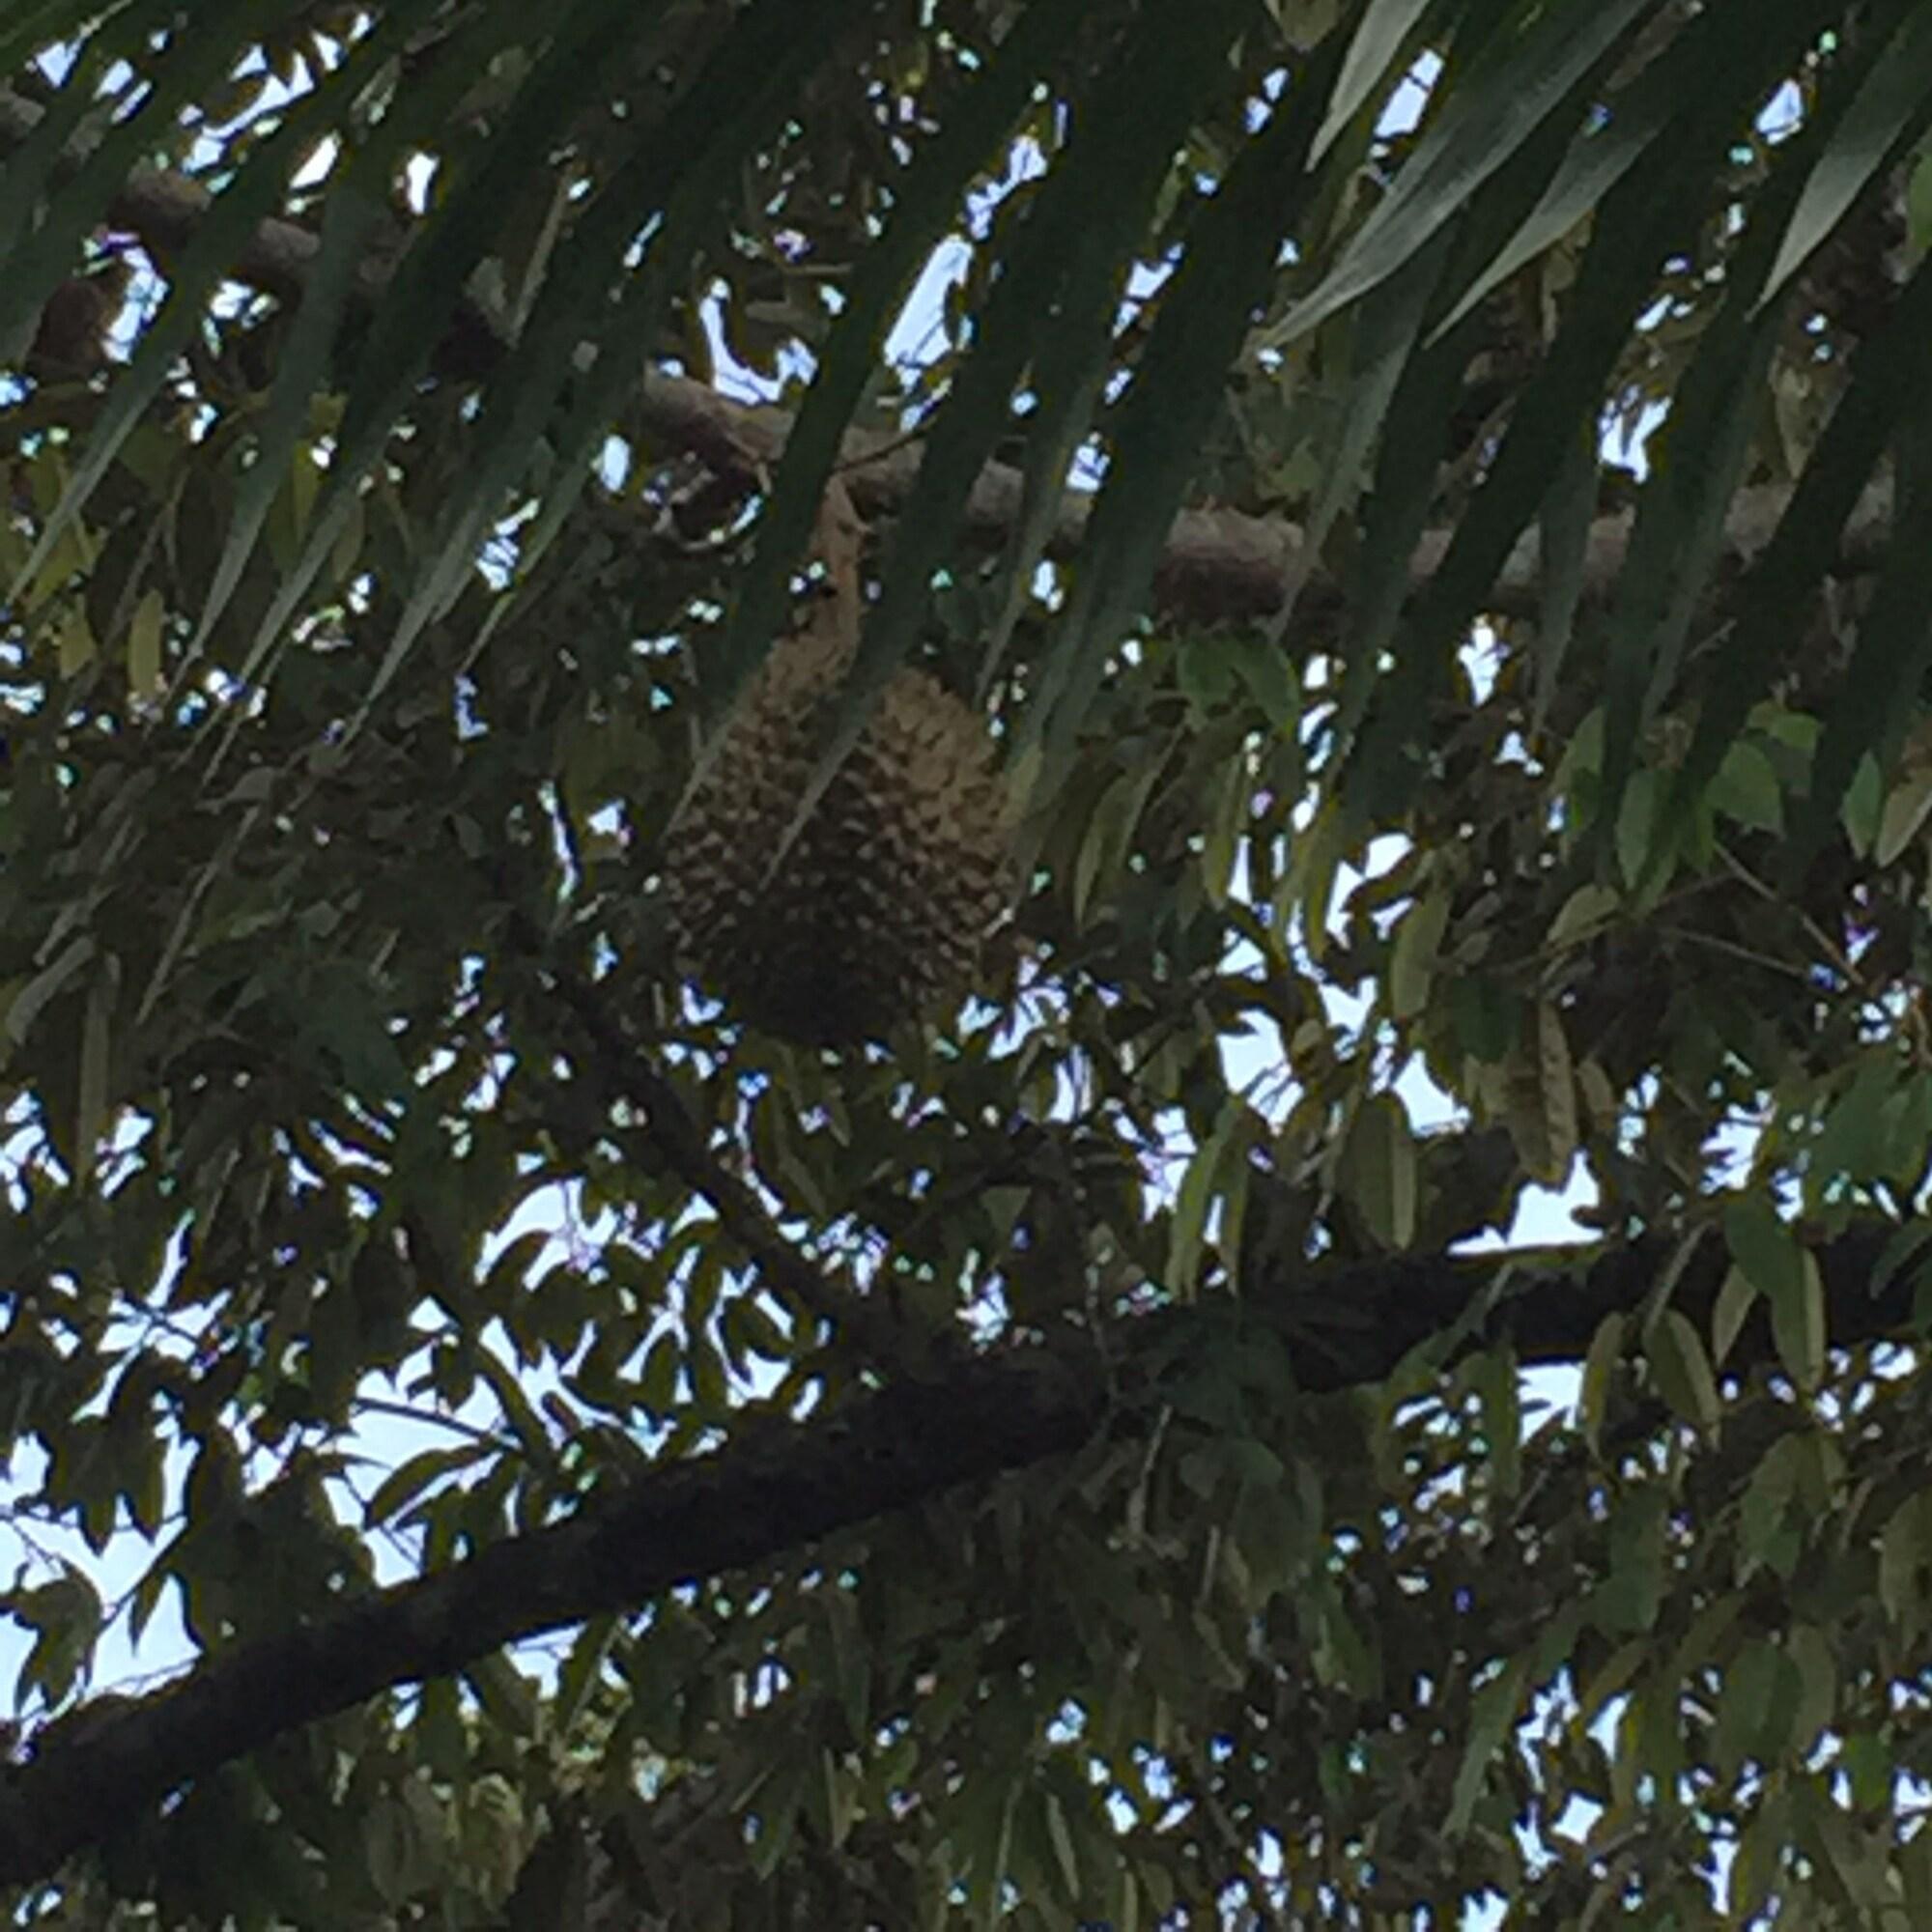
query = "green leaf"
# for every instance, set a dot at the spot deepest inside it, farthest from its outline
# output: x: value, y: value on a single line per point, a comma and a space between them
x: 414, y: 1475
x: 1066, y: 1858
x: 519, y: 1412
x: 1905, y: 1565
x: 206, y: 264
x: 683, y: 165
x: 256, y: 192
x: 1747, y: 788
x: 1482, y: 126
x: 1499, y: 1386
x: 1071, y: 370
x: 31, y: 26
x: 1864, y: 803
x: 1918, y: 210
x: 143, y: 646
x: 924, y: 203
x: 1418, y: 939
x: 1385, y: 28
x: 1206, y: 311
x: 1810, y: 1651
x: 656, y: 1384
x: 1764, y: 1246
x: 1894, y: 647
x: 394, y: 1853
x: 66, y: 1616
x: 1760, y: 1862
x: 1308, y: 885
x: 1889, y: 110
x: 1628, y: 1599
x: 1637, y: 814
x: 1727, y: 1315
x: 1376, y: 1171
x: 25, y: 1007
x: 1137, y: 114
x: 349, y: 217
x: 34, y: 256
x: 1110, y: 832
x: 1776, y: 600
x: 1492, y: 1714
x: 1683, y: 1370
x: 57, y: 129
x: 1899, y: 1253
x: 1228, y: 818
x: 1600, y: 1366
x: 1380, y: 337
x: 1797, y: 1327
x: 1761, y: 1686
x: 1771, y: 1258
x: 1871, y: 1765
x: 1204, y: 673
x: 1584, y: 915
x: 1907, y: 807
x: 1763, y: 1535
x: 1681, y: 529
x: 1207, y: 1173
x: 851, y: 1663
x: 1690, y: 73
x: 1272, y: 680
x: 1544, y: 1119
x: 1641, y: 219
x: 504, y: 1692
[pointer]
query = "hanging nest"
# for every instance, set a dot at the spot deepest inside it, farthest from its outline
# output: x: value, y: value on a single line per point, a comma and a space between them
x: 881, y: 907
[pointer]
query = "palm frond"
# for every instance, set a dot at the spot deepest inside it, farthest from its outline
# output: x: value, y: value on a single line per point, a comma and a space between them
x: 1546, y: 127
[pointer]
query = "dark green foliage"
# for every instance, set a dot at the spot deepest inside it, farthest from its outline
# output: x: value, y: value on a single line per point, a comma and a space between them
x: 382, y: 1208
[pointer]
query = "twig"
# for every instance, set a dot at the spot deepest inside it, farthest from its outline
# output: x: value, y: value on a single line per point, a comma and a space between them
x: 775, y: 1490
x: 370, y: 1405
x: 1818, y: 936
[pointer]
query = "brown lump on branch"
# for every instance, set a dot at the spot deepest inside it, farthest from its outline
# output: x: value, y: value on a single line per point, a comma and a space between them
x: 71, y: 339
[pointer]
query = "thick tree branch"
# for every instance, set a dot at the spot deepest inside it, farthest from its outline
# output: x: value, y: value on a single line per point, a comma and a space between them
x: 781, y: 1486
x: 163, y: 208
x: 1217, y: 565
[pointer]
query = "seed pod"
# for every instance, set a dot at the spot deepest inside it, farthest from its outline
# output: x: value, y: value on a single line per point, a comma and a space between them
x: 880, y: 908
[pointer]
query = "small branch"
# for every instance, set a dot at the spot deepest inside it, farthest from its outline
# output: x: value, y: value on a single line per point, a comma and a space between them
x: 436, y: 1418
x: 164, y: 208
x: 626, y: 1072
x: 1218, y: 566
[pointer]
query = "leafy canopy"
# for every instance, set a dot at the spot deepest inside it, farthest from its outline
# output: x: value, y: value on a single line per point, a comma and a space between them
x: 1431, y: 501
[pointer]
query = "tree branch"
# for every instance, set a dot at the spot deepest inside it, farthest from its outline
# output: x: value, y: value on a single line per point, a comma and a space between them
x: 1218, y: 566
x: 869, y: 1327
x: 163, y: 208
x: 779, y: 1486
x: 782, y: 1485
